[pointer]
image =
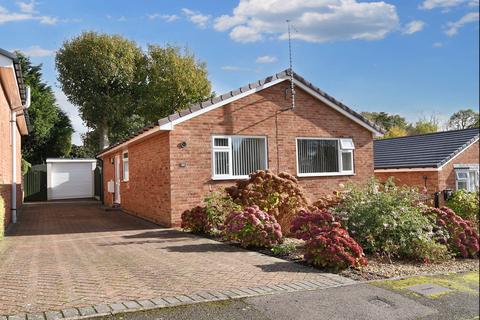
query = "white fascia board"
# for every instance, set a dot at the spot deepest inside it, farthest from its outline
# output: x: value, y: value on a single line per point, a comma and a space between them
x: 71, y: 160
x: 464, y: 149
x: 170, y: 126
x: 337, y: 108
x: 407, y: 170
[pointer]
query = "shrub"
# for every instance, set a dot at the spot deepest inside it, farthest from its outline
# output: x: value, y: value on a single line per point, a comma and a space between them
x: 196, y: 220
x: 429, y: 251
x: 332, y: 247
x: 465, y: 204
x: 328, y: 201
x: 253, y: 227
x: 387, y: 220
x: 460, y: 237
x: 327, y: 244
x: 279, y: 195
x: 306, y: 223
x: 218, y: 204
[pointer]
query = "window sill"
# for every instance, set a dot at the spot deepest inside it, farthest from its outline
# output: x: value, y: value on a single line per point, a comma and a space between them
x: 332, y: 174
x: 230, y: 178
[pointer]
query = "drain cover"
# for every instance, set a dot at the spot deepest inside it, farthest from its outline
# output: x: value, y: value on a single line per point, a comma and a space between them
x: 381, y: 302
x: 428, y: 289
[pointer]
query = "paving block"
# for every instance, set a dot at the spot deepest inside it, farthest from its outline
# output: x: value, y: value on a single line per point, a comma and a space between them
x: 35, y: 316
x: 146, y: 303
x: 70, y: 313
x: 159, y: 302
x: 184, y: 298
x: 132, y: 305
x: 20, y: 316
x: 3, y: 317
x: 53, y: 315
x: 195, y: 297
x: 102, y: 308
x: 117, y: 307
x: 428, y: 289
x: 87, y: 311
x: 172, y: 300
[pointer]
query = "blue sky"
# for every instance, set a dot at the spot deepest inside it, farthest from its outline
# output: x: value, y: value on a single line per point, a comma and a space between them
x: 415, y: 58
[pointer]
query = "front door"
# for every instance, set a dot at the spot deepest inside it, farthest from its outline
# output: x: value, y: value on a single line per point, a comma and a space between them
x: 117, y: 179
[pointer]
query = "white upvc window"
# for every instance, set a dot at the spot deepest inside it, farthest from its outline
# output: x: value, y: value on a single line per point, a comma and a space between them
x: 467, y: 179
x: 125, y: 165
x: 235, y: 157
x: 325, y: 157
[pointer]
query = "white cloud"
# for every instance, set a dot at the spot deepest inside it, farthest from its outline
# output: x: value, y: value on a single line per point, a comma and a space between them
x: 74, y: 116
x: 196, y: 17
x: 266, y: 59
x: 437, y: 44
x: 473, y: 3
x: 316, y: 21
x: 164, y: 17
x: 235, y: 68
x: 432, y: 4
x: 37, y: 51
x: 453, y: 27
x: 413, y: 27
x: 27, y: 13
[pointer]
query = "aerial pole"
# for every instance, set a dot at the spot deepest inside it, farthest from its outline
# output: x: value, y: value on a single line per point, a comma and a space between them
x: 292, y: 89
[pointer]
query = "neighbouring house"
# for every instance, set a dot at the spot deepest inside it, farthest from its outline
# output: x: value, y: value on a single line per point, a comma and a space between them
x: 170, y: 166
x: 440, y: 162
x: 14, y: 99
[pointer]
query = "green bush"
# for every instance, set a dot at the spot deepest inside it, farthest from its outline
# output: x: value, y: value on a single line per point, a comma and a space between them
x: 388, y: 220
x: 196, y: 220
x: 218, y: 204
x: 465, y: 204
x: 284, y: 249
x: 2, y: 217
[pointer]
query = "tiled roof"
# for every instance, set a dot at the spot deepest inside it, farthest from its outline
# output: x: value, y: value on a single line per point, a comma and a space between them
x: 426, y: 150
x: 285, y: 74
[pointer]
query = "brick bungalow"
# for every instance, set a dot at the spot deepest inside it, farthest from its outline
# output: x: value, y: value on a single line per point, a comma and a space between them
x: 13, y: 125
x: 171, y: 165
x: 439, y: 161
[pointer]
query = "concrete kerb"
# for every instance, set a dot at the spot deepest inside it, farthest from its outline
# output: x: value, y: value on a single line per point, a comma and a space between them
x: 103, y: 310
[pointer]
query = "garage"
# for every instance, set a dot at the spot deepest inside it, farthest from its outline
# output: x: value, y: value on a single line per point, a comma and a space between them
x: 70, y: 178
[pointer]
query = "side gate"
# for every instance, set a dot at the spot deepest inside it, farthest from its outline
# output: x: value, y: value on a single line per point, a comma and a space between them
x: 35, y: 183
x: 98, y: 188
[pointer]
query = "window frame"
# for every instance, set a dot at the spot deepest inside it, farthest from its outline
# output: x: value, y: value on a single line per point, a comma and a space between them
x: 123, y: 165
x: 340, y: 163
x: 229, y: 150
x: 470, y: 180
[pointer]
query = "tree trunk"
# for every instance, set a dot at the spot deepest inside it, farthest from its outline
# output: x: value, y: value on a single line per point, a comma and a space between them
x: 104, y: 137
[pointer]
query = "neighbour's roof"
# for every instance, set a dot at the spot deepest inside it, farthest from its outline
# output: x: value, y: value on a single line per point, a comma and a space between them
x: 204, y: 106
x: 422, y: 151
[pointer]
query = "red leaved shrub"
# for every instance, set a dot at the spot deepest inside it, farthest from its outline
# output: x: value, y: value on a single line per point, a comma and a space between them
x: 327, y: 243
x: 279, y: 195
x: 252, y: 227
x: 460, y: 237
x: 196, y: 220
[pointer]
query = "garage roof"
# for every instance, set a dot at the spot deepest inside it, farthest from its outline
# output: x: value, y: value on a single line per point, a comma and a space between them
x: 422, y: 151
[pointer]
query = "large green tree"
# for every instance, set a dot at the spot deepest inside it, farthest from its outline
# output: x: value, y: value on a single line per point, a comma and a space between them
x: 99, y: 73
x: 424, y: 126
x: 393, y: 124
x: 50, y: 129
x: 464, y: 119
x: 175, y: 79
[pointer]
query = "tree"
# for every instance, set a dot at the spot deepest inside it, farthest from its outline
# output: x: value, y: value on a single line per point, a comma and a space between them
x: 386, y: 121
x: 50, y: 129
x: 81, y: 152
x: 395, y: 132
x: 99, y: 73
x: 175, y: 79
x: 463, y: 119
x: 424, y: 126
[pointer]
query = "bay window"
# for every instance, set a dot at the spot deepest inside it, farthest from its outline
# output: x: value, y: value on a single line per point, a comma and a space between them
x: 324, y: 157
x: 467, y: 177
x: 235, y: 157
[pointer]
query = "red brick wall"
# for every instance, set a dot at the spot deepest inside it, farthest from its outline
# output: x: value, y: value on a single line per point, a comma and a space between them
x: 147, y: 193
x: 447, y: 175
x: 412, y: 178
x: 6, y: 159
x: 261, y: 114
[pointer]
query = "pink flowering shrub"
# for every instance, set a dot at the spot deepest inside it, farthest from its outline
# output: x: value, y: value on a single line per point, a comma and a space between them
x: 253, y: 227
x: 327, y: 244
x: 460, y: 237
x: 332, y: 247
x: 196, y: 220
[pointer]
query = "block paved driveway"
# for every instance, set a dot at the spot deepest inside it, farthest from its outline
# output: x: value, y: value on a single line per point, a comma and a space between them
x: 74, y: 254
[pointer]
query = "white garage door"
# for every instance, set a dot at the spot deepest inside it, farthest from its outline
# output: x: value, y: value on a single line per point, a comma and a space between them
x: 70, y: 180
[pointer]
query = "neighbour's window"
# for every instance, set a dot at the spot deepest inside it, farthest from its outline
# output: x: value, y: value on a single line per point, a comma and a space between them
x: 467, y: 179
x: 235, y: 157
x: 125, y: 166
x: 323, y: 157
